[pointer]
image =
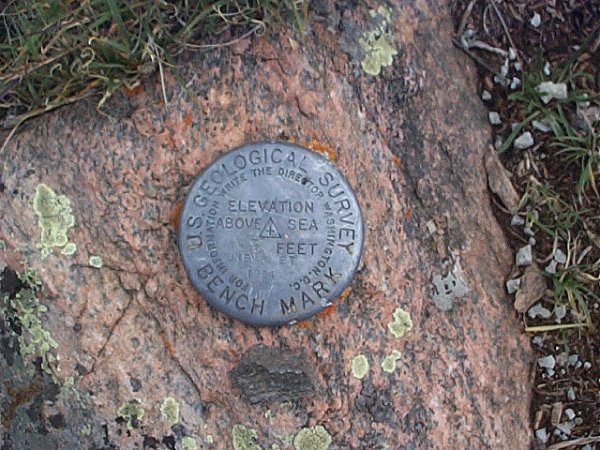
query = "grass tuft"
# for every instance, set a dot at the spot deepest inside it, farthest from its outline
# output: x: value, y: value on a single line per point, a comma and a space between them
x: 55, y: 52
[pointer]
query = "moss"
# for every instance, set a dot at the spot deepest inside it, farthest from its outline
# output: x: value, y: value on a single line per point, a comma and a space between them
x: 170, y: 410
x: 389, y: 362
x: 360, y: 366
x: 25, y: 308
x: 96, y: 261
x: 55, y: 217
x: 377, y: 44
x: 2, y: 245
x: 188, y: 443
x: 401, y: 323
x: 132, y: 412
x: 312, y: 438
x: 244, y: 438
x: 69, y: 249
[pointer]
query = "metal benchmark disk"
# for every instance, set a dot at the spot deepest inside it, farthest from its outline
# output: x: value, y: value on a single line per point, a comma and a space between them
x: 270, y: 233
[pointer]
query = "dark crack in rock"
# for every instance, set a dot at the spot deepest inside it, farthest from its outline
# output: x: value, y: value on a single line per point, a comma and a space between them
x: 274, y: 374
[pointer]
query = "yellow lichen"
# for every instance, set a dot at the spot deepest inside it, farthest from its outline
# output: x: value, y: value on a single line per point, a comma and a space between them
x: 401, y: 323
x: 360, y: 366
x: 244, y: 438
x: 96, y: 261
x: 377, y: 44
x: 312, y: 438
x: 131, y: 411
x: 169, y: 410
x: 55, y: 217
x: 188, y: 443
x: 389, y: 362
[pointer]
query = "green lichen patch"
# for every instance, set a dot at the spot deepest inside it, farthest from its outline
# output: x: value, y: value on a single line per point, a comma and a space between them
x: 132, y: 412
x: 377, y: 44
x: 2, y: 245
x: 69, y: 249
x: 24, y: 308
x: 96, y: 261
x: 360, y: 366
x: 169, y: 410
x: 389, y: 362
x: 55, y: 217
x: 188, y: 443
x: 312, y: 438
x: 401, y: 323
x: 244, y: 438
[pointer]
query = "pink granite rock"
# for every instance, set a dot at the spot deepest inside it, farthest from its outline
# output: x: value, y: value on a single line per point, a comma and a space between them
x: 132, y: 333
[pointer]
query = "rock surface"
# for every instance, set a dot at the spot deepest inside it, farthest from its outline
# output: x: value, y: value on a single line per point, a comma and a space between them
x: 145, y: 362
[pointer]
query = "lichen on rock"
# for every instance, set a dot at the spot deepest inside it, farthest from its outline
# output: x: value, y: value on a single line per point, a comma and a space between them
x: 244, y: 438
x: 360, y: 366
x: 96, y: 261
x: 188, y: 443
x: 388, y: 364
x: 377, y: 44
x: 24, y: 307
x: 132, y: 412
x: 169, y: 410
x: 401, y: 323
x: 55, y: 217
x: 312, y: 438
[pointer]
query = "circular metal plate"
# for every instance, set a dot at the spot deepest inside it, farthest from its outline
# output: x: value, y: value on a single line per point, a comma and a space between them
x: 270, y: 233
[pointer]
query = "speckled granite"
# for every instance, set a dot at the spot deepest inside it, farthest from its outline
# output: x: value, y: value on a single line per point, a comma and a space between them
x: 130, y: 330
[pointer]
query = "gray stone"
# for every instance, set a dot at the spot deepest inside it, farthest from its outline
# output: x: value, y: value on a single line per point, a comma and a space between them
x: 566, y: 427
x: 536, y: 20
x: 512, y: 54
x: 538, y: 310
x: 587, y: 365
x: 541, y: 435
x: 571, y: 394
x: 513, y: 285
x: 547, y: 68
x: 560, y: 312
x: 569, y: 413
x: 486, y: 96
x: 524, y: 141
x: 551, y: 267
x: 537, y: 340
x: 528, y: 231
x: 494, y: 118
x: 524, y: 256
x: 559, y: 256
x: 531, y: 241
x: 547, y: 362
x: 517, y: 221
x: 542, y: 125
x: 515, y: 83
x: 550, y: 90
x: 562, y: 359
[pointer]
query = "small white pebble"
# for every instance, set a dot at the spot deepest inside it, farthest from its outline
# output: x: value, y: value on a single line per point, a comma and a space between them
x: 538, y: 310
x: 587, y: 365
x: 541, y: 435
x: 524, y: 256
x: 515, y: 83
x: 486, y: 96
x: 547, y: 68
x: 524, y: 141
x: 518, y: 66
x: 551, y: 267
x: 549, y: 90
x: 573, y: 359
x: 560, y: 312
x: 578, y: 365
x: 547, y: 362
x: 517, y: 220
x: 537, y: 340
x: 562, y: 359
x: 566, y: 427
x: 536, y: 20
x: 569, y: 413
x: 571, y: 394
x: 578, y: 421
x: 559, y: 256
x: 528, y: 231
x: 550, y: 373
x: 513, y: 285
x: 542, y: 125
x: 494, y: 118
x: 512, y: 54
x: 532, y: 241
